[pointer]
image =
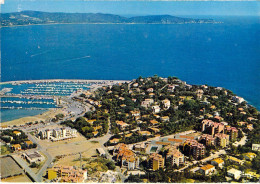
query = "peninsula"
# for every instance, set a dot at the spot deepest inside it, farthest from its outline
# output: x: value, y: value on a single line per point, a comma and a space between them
x: 150, y: 129
x: 37, y: 17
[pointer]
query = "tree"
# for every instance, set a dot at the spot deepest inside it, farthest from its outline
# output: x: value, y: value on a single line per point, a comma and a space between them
x: 111, y: 165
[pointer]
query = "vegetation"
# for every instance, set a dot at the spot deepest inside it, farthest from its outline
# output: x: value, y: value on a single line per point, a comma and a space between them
x: 36, y: 17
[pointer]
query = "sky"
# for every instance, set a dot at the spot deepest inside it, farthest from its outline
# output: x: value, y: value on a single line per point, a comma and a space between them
x: 250, y: 8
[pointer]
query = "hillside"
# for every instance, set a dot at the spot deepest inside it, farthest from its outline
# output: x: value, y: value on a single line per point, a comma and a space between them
x: 36, y: 17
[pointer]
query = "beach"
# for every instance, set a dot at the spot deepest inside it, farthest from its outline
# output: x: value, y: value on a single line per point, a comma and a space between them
x: 40, y: 117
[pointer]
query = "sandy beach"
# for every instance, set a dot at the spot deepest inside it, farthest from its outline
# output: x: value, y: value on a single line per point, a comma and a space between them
x: 40, y: 117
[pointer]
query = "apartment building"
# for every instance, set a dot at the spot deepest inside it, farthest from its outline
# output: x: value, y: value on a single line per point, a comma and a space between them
x: 67, y: 174
x: 175, y: 157
x: 222, y: 140
x: 197, y: 150
x: 56, y: 134
x: 207, y: 140
x: 156, y: 161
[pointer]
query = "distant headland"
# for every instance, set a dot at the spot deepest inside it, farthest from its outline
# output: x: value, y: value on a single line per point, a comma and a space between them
x: 37, y: 17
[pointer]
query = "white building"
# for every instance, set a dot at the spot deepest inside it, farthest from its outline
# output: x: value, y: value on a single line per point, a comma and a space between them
x: 175, y: 157
x: 238, y: 99
x: 166, y: 103
x: 234, y: 173
x: 147, y: 102
x: 256, y: 147
x: 33, y: 157
x: 57, y: 133
x: 156, y: 109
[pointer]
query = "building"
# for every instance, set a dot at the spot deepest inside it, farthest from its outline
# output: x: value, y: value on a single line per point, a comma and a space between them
x: 192, y: 147
x: 155, y: 161
x: 17, y: 133
x: 135, y: 113
x: 222, y: 140
x: 207, y: 169
x: 238, y: 99
x: 147, y: 102
x: 249, y: 156
x: 234, y: 173
x: 232, y: 132
x: 57, y: 133
x: 207, y: 140
x: 172, y: 87
x: 28, y: 143
x: 256, y: 147
x: 166, y: 103
x: 16, y: 147
x: 140, y: 147
x: 165, y: 118
x: 211, y: 127
x: 217, y: 162
x: 67, y: 174
x: 235, y: 160
x: 127, y: 158
x: 122, y: 125
x: 156, y: 109
x: 154, y: 122
x: 101, y: 152
x: 33, y: 157
x: 175, y: 157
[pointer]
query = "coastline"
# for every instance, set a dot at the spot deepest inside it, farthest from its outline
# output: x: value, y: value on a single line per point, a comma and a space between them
x: 60, y: 80
x: 110, y: 23
x: 40, y: 117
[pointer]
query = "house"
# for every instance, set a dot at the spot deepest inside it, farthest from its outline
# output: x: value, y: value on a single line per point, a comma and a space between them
x: 166, y: 103
x: 150, y: 90
x: 235, y: 160
x: 238, y: 99
x: 33, y: 157
x: 115, y: 140
x: 156, y: 109
x: 28, y: 143
x: 17, y: 133
x: 122, y: 125
x: 217, y: 162
x: 95, y: 133
x: 135, y: 113
x: 155, y: 161
x: 256, y: 147
x: 207, y: 169
x: 249, y: 156
x: 165, y: 118
x: 147, y: 133
x: 171, y: 88
x: 234, y: 173
x: 155, y: 130
x: 147, y: 102
x: 250, y: 127
x: 16, y: 147
x: 154, y: 122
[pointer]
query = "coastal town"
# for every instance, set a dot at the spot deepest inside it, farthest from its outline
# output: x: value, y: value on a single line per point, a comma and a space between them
x: 150, y: 129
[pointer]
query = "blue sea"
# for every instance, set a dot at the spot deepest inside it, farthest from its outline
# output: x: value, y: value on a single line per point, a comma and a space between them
x: 226, y: 55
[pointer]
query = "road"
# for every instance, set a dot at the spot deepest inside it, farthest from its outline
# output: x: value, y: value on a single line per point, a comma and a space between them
x: 28, y: 170
x: 215, y: 155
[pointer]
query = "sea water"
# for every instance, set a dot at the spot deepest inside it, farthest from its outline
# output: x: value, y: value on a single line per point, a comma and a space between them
x: 225, y: 55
